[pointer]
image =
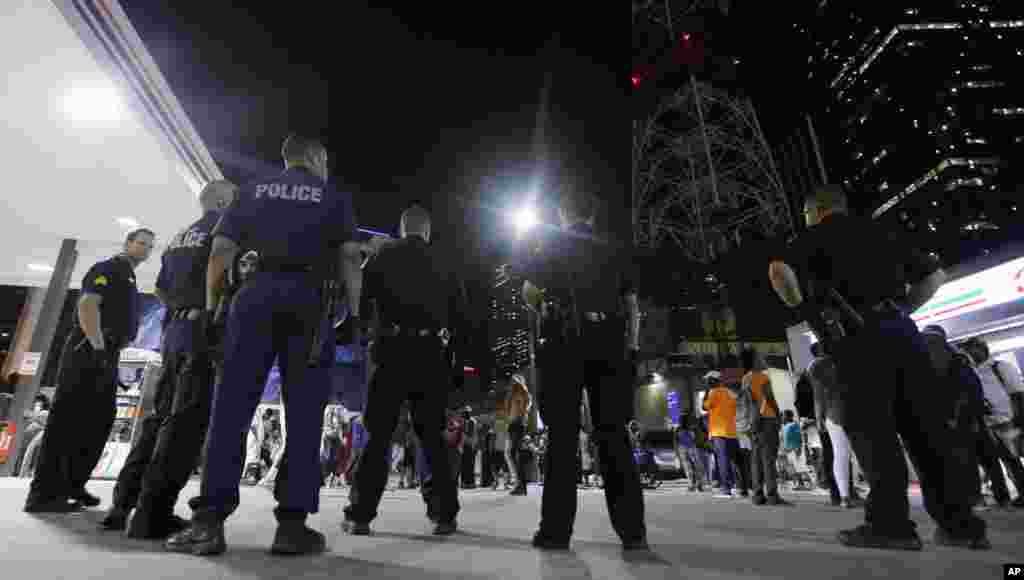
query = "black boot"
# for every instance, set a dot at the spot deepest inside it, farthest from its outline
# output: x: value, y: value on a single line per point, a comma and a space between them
x: 199, y: 539
x: 85, y: 498
x: 146, y: 524
x: 55, y: 505
x: 294, y: 538
x: 116, y: 520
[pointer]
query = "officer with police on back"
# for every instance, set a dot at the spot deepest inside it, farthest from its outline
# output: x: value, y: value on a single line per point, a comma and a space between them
x: 858, y: 299
x: 86, y: 399
x: 172, y: 435
x: 417, y: 302
x: 303, y: 231
x: 587, y: 342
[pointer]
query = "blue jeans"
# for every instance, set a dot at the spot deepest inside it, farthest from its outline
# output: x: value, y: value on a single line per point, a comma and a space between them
x: 726, y: 452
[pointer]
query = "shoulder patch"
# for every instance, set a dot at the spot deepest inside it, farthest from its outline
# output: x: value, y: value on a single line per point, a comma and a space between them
x: 101, y: 281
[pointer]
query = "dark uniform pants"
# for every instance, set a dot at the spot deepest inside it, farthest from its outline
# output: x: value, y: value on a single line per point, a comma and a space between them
x: 80, y: 420
x: 413, y: 369
x: 565, y: 369
x: 893, y: 396
x: 273, y: 316
x: 172, y: 435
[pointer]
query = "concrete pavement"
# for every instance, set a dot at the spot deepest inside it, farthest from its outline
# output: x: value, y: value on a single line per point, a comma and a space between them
x: 693, y: 536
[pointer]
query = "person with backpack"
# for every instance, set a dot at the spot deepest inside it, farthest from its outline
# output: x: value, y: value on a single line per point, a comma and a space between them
x: 1000, y: 434
x: 757, y: 414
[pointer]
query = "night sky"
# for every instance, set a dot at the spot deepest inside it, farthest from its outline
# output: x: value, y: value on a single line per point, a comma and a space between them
x: 426, y: 104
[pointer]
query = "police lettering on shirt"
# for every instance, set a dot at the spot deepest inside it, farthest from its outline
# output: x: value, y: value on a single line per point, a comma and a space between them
x: 191, y: 238
x: 288, y: 191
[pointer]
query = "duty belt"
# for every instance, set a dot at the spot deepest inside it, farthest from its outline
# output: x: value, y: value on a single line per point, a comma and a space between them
x: 596, y: 316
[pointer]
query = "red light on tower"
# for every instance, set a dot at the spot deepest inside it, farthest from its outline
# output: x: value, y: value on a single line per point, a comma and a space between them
x: 635, y: 79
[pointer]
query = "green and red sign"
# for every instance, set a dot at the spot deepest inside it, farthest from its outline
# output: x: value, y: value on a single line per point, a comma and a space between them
x: 992, y: 287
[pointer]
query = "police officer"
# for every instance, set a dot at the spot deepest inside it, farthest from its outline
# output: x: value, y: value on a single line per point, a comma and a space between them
x: 299, y: 226
x: 163, y: 457
x: 883, y: 358
x: 586, y: 342
x: 415, y: 297
x: 85, y: 402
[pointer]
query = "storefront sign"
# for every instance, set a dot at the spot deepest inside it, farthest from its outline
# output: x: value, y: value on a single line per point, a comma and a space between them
x: 29, y: 363
x: 992, y: 287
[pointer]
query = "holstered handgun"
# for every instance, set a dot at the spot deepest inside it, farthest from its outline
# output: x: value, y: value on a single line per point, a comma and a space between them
x: 329, y: 289
x: 830, y: 316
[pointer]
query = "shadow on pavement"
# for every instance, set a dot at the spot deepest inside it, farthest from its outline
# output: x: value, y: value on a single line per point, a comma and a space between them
x: 255, y: 563
x: 83, y: 527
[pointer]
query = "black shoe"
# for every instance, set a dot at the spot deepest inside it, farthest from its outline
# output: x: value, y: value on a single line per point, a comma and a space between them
x: 864, y: 537
x: 518, y: 491
x: 1019, y: 502
x: 758, y: 499
x: 776, y: 500
x: 116, y: 520
x: 86, y: 499
x: 851, y: 503
x: 547, y: 543
x: 836, y: 501
x: 58, y: 505
x: 146, y: 526
x: 199, y: 539
x: 354, y: 528
x: 445, y: 528
x: 638, y: 545
x: 744, y: 493
x: 296, y: 539
x: 943, y: 538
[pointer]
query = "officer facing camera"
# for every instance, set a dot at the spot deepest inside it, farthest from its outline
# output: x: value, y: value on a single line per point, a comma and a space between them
x: 86, y: 399
x: 870, y: 287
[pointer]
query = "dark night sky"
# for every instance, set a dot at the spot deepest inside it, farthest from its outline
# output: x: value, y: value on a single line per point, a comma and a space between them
x: 422, y: 105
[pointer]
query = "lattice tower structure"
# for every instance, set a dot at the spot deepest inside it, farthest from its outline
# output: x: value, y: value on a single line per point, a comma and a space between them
x: 704, y: 177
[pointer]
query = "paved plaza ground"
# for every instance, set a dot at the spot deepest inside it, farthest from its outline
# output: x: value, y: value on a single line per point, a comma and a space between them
x: 693, y: 536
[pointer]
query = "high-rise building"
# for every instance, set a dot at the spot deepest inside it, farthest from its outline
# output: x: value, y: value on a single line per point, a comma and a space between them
x: 921, y: 114
x: 508, y: 325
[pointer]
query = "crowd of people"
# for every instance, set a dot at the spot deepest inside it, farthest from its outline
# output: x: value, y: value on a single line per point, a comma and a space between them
x: 258, y: 277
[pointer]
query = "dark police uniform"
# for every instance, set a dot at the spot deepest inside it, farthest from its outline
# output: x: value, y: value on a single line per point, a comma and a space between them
x: 85, y: 402
x: 296, y: 223
x: 165, y: 454
x: 416, y: 295
x: 893, y: 389
x: 584, y: 345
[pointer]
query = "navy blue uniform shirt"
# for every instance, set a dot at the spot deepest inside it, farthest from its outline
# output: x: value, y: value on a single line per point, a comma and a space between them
x: 182, y: 277
x: 114, y: 281
x: 862, y: 260
x: 292, y: 218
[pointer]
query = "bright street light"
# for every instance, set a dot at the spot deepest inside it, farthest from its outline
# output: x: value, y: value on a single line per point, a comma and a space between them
x: 524, y: 220
x: 93, y: 103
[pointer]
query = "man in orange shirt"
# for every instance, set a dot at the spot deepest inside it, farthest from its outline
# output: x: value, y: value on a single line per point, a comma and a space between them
x: 765, y: 438
x: 720, y: 403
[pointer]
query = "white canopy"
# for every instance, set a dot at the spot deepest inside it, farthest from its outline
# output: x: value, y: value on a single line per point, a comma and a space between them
x: 94, y: 143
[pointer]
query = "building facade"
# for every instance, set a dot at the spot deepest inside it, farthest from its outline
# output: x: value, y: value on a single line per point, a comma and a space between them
x: 920, y: 114
x: 508, y: 326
